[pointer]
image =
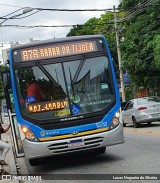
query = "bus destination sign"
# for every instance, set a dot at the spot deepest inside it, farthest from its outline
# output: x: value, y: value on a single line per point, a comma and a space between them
x: 51, y: 51
x: 46, y: 106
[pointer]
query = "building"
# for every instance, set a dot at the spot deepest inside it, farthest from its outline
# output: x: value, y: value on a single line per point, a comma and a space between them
x: 5, y: 52
x: 4, y: 56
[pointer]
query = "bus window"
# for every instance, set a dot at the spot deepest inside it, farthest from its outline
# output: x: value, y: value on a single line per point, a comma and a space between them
x: 93, y: 85
x: 55, y: 92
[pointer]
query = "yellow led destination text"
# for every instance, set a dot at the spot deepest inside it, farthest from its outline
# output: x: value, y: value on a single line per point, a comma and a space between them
x: 51, y: 51
x: 46, y: 106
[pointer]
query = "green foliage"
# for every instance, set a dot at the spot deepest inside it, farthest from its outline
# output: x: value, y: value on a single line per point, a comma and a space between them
x: 141, y: 48
x: 86, y: 29
x: 125, y: 4
x: 156, y: 49
x: 129, y: 93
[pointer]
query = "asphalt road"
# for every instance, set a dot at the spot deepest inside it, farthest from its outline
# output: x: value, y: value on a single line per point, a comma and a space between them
x: 140, y: 154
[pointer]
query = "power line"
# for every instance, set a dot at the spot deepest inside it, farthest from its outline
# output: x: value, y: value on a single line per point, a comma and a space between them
x: 15, y: 16
x: 48, y: 9
x: 71, y: 25
x: 136, y: 10
x: 132, y: 12
x: 36, y: 26
x: 128, y: 14
x: 26, y: 15
x: 26, y: 10
x: 11, y: 5
x: 58, y: 9
x: 12, y: 12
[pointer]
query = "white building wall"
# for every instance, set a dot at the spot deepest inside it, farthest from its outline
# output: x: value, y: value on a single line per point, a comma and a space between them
x: 4, y: 56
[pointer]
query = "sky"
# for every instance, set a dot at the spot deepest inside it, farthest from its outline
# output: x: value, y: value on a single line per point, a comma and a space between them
x: 10, y: 34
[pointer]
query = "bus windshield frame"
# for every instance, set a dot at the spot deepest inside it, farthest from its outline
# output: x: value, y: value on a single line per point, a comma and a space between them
x: 77, y: 77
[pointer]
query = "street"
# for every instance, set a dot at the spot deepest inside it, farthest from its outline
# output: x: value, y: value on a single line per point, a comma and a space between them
x: 138, y: 155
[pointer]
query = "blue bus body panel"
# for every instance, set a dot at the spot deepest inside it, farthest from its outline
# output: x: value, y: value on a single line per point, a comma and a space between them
x: 114, y: 76
x: 105, y: 123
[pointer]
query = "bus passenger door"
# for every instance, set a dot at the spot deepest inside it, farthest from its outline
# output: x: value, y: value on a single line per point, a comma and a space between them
x: 15, y: 127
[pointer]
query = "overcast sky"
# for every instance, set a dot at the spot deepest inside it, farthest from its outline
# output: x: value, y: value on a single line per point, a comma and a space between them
x: 10, y: 34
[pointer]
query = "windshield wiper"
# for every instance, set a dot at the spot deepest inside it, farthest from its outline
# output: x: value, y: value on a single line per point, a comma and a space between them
x: 79, y: 69
x: 71, y: 80
x: 47, y: 74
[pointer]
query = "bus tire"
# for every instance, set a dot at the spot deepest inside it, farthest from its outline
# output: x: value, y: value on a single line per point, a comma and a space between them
x: 34, y: 162
x: 101, y: 150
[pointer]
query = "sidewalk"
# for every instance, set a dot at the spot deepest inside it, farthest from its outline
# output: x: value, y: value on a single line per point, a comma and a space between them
x: 10, y: 158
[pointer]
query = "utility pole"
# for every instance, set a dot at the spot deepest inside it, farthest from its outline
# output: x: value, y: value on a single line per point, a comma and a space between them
x: 119, y: 57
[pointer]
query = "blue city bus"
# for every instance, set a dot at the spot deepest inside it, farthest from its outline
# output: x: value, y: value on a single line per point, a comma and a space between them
x: 80, y: 109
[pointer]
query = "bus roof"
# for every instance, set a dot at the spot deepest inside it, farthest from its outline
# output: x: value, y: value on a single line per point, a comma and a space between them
x: 57, y: 40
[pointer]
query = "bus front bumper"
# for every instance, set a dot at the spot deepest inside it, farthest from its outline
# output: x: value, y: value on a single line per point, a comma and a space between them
x: 50, y: 148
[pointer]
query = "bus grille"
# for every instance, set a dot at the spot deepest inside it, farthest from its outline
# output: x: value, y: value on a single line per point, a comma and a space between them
x: 88, y: 143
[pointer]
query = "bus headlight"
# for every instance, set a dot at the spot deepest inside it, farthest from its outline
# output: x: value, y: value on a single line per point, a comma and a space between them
x: 29, y: 135
x: 115, y: 121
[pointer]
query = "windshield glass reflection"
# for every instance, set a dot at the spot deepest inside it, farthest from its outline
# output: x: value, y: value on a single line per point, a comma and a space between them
x: 65, y: 89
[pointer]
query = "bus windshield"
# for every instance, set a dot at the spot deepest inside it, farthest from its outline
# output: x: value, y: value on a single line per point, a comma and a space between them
x: 58, y: 90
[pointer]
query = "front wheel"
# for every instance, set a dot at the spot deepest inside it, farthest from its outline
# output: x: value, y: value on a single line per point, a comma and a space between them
x: 101, y: 150
x: 135, y: 124
x: 34, y: 162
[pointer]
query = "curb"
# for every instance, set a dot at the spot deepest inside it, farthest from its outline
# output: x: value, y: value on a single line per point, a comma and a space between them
x: 10, y: 159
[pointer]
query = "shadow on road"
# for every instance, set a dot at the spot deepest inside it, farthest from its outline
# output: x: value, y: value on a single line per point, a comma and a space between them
x: 145, y: 125
x: 74, y: 160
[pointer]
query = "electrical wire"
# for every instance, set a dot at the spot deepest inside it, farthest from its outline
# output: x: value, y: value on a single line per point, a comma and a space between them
x: 136, y: 10
x: 15, y: 16
x: 12, y: 12
x: 133, y: 12
x: 10, y: 5
x: 26, y: 15
x: 57, y: 9
x: 37, y: 26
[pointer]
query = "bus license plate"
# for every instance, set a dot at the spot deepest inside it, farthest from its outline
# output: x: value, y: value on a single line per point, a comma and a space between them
x: 75, y: 143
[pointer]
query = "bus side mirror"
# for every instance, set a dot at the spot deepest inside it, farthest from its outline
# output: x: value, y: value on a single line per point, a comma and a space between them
x: 5, y: 79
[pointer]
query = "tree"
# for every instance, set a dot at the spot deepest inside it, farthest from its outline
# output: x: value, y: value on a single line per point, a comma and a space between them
x: 126, y: 4
x: 140, y: 49
x: 86, y: 29
x: 156, y: 49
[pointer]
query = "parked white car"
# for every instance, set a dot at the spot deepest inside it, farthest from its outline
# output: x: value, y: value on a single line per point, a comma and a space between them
x: 141, y: 110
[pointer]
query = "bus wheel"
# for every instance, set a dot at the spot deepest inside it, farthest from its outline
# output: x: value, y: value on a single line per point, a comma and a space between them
x: 34, y: 162
x: 101, y: 150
